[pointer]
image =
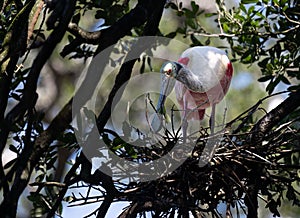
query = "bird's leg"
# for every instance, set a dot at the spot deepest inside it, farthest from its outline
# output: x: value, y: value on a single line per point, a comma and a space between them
x: 212, y: 119
x: 184, y: 124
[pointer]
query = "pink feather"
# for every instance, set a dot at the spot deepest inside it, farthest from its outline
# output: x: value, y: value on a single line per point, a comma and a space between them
x: 190, y: 100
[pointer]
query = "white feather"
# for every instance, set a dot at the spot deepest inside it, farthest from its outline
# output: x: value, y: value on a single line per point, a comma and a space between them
x: 208, y: 64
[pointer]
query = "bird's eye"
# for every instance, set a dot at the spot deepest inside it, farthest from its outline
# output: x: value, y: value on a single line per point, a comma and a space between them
x: 168, y: 69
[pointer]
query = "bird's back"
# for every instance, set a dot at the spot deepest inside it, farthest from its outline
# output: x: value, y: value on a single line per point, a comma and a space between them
x: 213, y: 68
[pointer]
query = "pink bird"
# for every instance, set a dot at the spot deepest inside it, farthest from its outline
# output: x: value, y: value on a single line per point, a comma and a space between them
x: 203, y: 75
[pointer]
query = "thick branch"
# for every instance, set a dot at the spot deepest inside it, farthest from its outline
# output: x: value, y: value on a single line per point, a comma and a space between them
x: 60, y: 123
x: 265, y: 124
x: 124, y: 75
x: 82, y: 36
x: 107, y: 37
x: 262, y: 127
x: 11, y: 199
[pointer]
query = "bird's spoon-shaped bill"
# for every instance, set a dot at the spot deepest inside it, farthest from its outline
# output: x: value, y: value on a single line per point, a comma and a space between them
x: 167, y: 84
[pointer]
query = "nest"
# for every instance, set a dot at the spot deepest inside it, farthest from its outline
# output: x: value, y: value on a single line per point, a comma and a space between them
x: 236, y: 170
x: 234, y: 166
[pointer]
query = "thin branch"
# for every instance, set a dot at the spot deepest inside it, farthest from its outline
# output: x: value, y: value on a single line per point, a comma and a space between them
x: 43, y: 184
x: 249, y: 111
x: 226, y: 35
x: 90, y: 37
x: 289, y: 19
x: 36, y: 10
x: 70, y: 179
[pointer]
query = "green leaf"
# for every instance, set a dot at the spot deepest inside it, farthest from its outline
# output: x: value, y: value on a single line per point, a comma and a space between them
x: 70, y: 38
x: 226, y: 27
x: 249, y: 1
x: 181, y: 30
x: 13, y: 149
x: 191, y: 22
x: 106, y: 139
x: 188, y: 13
x: 68, y: 199
x: 130, y: 150
x: 171, y: 35
x: 195, y: 41
x: 293, y: 88
x: 180, y: 13
x: 251, y: 9
x: 50, y: 163
x: 272, y: 205
x: 207, y: 42
x: 210, y: 14
x: 168, y: 118
x: 247, y: 58
x: 180, y: 5
x: 76, y: 18
x: 284, y: 80
x: 265, y: 78
x: 68, y: 138
x: 118, y: 141
x: 263, y: 63
x: 172, y: 5
x: 271, y: 86
x: 10, y: 163
x: 243, y: 8
x: 290, y: 194
x: 40, y: 178
x: 195, y: 7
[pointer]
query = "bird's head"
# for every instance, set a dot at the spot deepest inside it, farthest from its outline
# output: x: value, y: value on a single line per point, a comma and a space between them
x: 171, y: 69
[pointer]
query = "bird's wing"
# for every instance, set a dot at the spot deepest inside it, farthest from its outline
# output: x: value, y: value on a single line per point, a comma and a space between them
x: 209, y: 64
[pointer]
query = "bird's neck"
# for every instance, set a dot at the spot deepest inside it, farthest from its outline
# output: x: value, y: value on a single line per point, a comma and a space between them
x: 190, y: 80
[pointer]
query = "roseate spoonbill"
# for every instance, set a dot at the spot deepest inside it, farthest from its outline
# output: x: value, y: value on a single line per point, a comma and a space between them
x: 201, y: 77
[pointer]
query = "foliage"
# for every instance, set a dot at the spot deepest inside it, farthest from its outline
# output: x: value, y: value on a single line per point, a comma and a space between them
x: 254, y: 159
x: 258, y: 24
x: 257, y: 31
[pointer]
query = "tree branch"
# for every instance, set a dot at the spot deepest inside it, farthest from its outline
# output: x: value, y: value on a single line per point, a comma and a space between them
x: 260, y: 129
x: 10, y: 201
x: 31, y: 83
x: 151, y: 28
x: 70, y: 179
x: 89, y: 37
x: 12, y: 48
x: 265, y: 124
